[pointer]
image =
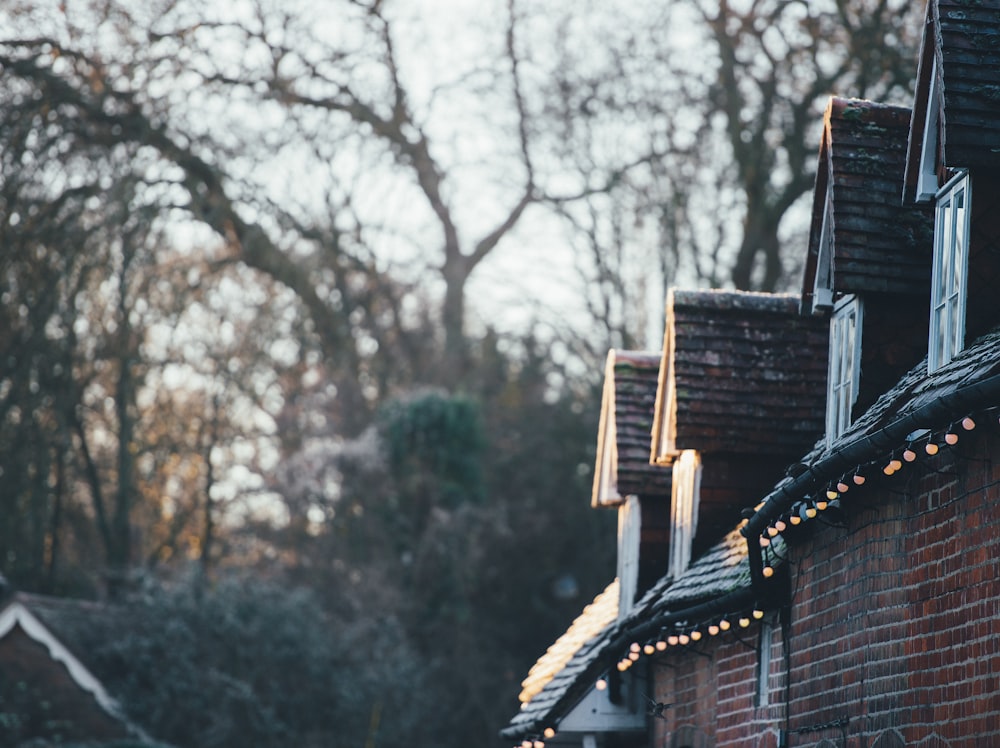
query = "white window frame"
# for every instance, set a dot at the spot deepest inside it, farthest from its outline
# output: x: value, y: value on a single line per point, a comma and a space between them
x: 629, y: 527
x: 684, y: 499
x: 765, y: 652
x: 844, y: 365
x: 949, y: 279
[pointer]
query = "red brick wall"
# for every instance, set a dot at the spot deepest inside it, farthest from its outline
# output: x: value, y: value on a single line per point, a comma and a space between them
x: 894, y: 624
x: 894, y: 621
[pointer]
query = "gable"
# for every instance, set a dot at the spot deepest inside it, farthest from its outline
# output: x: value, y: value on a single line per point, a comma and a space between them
x: 627, y: 406
x: 961, y: 43
x: 747, y: 374
x: 862, y: 238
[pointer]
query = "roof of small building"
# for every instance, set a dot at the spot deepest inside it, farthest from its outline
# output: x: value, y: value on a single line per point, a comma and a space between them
x: 742, y: 373
x: 878, y: 244
x: 964, y: 37
x: 627, y: 408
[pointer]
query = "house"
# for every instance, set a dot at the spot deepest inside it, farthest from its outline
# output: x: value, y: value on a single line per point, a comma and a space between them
x: 47, y: 693
x: 857, y: 601
x: 725, y: 374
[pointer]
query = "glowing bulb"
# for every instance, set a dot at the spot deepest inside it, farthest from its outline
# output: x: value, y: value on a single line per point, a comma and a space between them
x: 831, y: 494
x: 649, y: 649
x: 672, y: 640
x: 895, y: 464
x: 744, y: 622
x: 634, y: 656
x: 859, y: 480
x: 767, y: 571
x: 764, y: 542
x: 795, y: 519
x: 661, y: 645
x: 909, y: 455
x: 931, y: 448
x: 968, y: 424
x: 695, y: 635
x: 525, y: 743
x: 724, y: 624
x: 811, y: 512
x: 842, y: 487
x: 888, y: 470
x: 539, y: 744
x: 633, y: 647
x: 772, y: 531
x: 780, y: 525
x: 951, y: 438
x: 821, y: 505
x: 684, y: 639
x: 758, y: 613
x: 601, y: 684
x: 713, y: 630
x: 622, y: 667
x: 549, y: 732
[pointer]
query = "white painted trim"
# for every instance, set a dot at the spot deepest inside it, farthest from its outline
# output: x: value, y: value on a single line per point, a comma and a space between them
x: 16, y: 614
x: 927, y: 182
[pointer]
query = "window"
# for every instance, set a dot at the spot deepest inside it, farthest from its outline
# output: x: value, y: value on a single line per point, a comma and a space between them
x: 845, y: 366
x: 951, y: 263
x: 927, y: 181
x: 629, y: 524
x: 684, y: 510
x: 823, y: 283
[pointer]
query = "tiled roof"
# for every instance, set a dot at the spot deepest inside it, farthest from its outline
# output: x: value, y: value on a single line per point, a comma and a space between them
x: 719, y: 572
x: 964, y: 36
x: 878, y: 244
x: 746, y: 370
x: 627, y: 417
x: 920, y: 402
x: 592, y: 621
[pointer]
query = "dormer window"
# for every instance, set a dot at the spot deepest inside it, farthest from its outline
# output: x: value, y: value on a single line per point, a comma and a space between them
x: 629, y: 526
x: 845, y: 366
x: 684, y: 510
x: 950, y: 273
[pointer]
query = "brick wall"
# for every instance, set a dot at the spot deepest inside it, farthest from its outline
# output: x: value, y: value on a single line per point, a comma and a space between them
x: 893, y: 633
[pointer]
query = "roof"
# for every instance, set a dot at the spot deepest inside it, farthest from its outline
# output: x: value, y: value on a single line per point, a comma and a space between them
x: 742, y: 373
x: 627, y: 406
x: 964, y: 37
x: 917, y: 409
x: 715, y: 576
x: 878, y: 244
x: 551, y: 666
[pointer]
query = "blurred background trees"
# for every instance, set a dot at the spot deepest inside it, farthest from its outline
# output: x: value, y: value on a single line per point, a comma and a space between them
x: 322, y: 292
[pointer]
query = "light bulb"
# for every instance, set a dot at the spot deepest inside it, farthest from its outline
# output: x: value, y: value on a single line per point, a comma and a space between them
x: 724, y: 624
x: 795, y: 519
x: 888, y: 470
x: 744, y: 622
x: 539, y: 744
x: 713, y: 630
x: 821, y: 505
x: 633, y: 647
x: 684, y: 639
x: 758, y: 613
x: 764, y: 541
x: 549, y: 732
x: 601, y: 684
x: 842, y: 487
x: 931, y: 448
x: 767, y: 571
x: 695, y: 635
x: 968, y: 424
x: 649, y: 649
x: 772, y: 531
x: 909, y: 455
x: 780, y: 525
x: 895, y: 464
x: 859, y: 480
x: 672, y: 640
x: 811, y: 512
x: 831, y: 494
x: 525, y: 743
x: 661, y: 645
x: 634, y: 656
x: 951, y: 438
